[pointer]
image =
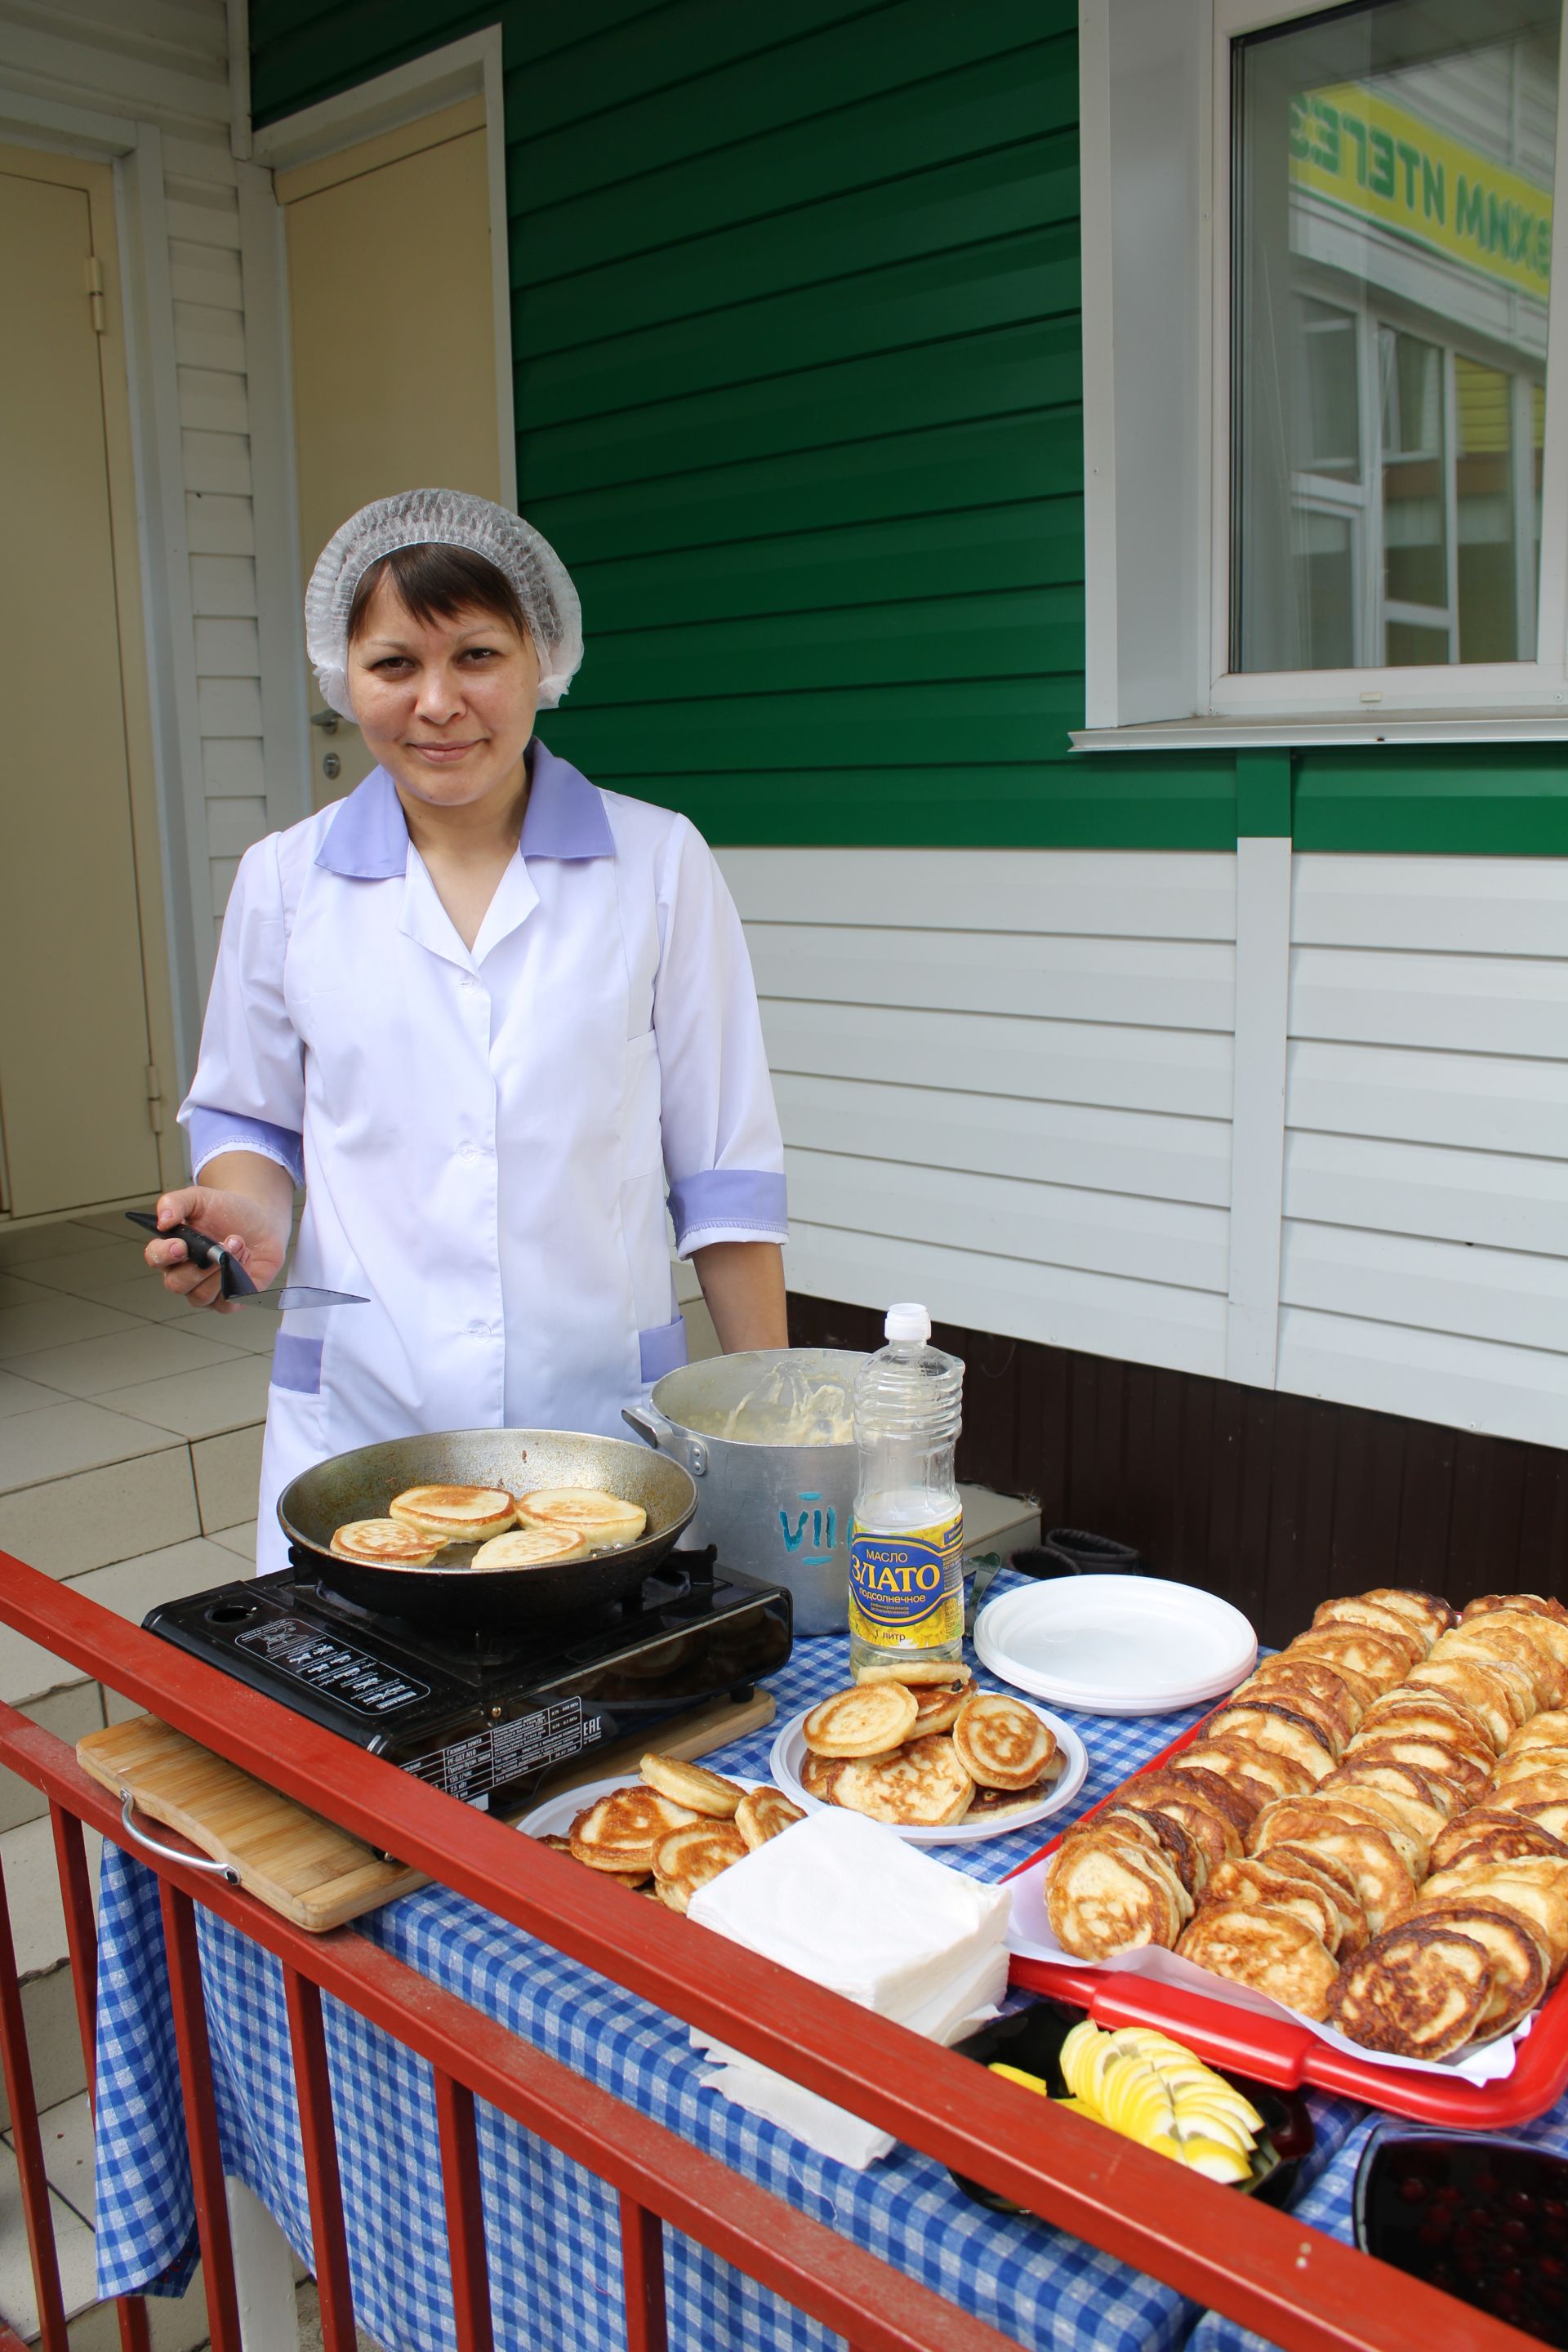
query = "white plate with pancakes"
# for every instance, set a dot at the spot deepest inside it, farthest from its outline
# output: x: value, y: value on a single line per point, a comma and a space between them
x: 1070, y: 1766
x: 1116, y: 1644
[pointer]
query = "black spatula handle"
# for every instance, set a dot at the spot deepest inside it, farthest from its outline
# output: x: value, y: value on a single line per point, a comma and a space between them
x: 233, y: 1281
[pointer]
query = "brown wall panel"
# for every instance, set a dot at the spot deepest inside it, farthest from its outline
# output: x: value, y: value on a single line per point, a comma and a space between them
x: 1274, y: 1501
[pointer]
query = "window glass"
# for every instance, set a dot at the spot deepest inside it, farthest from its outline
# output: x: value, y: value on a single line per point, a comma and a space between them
x: 1392, y: 258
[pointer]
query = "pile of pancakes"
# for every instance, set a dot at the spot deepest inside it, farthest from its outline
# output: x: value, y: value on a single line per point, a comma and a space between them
x: 1373, y: 1830
x: 671, y: 1831
x: 552, y: 1523
x: 915, y: 1743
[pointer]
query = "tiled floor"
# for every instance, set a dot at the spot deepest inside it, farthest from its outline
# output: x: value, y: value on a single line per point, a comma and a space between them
x: 129, y: 1450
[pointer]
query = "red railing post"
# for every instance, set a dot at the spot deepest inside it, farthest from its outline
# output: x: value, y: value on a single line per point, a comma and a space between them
x: 201, y: 2113
x: 82, y: 1943
x: 642, y: 2266
x: 29, y: 2143
x: 465, y: 2215
x: 318, y: 2131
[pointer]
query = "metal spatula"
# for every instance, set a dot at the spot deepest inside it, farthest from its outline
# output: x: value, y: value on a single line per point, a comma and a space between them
x: 233, y: 1281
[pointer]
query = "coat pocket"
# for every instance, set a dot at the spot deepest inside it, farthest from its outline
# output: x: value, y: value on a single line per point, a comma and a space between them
x: 296, y: 1363
x: 662, y: 1349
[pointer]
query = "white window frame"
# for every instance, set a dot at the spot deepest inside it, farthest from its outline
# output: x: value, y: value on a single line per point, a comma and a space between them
x: 1155, y: 87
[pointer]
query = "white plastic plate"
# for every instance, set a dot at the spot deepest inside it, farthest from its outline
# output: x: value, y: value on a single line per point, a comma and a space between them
x: 554, y: 1816
x: 789, y: 1754
x: 1116, y: 1644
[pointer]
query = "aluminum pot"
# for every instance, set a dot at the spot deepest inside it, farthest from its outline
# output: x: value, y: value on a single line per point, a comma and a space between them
x: 777, y: 1511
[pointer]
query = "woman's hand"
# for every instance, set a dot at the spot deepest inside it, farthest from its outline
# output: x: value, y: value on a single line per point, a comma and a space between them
x: 248, y: 1213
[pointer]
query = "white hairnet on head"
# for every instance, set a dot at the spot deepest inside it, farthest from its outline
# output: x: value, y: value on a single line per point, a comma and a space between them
x: 442, y: 519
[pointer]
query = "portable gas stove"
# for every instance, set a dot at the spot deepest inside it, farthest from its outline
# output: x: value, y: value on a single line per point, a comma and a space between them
x: 476, y: 1713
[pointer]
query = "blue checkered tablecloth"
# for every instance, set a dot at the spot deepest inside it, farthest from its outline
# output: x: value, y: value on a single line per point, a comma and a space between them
x: 551, y: 2227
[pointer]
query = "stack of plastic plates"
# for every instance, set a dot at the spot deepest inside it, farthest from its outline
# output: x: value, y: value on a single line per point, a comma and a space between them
x: 1116, y: 1644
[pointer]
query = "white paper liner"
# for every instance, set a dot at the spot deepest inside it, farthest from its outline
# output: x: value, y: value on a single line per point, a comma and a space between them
x: 1030, y: 1937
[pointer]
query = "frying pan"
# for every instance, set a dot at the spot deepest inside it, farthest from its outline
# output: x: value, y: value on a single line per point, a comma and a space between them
x: 452, y: 1591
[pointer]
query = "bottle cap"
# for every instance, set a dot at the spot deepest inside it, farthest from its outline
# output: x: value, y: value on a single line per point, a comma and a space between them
x: 908, y: 1321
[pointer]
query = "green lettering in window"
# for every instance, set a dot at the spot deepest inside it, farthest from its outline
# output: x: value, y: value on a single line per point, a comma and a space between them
x: 1470, y: 212
x: 1433, y: 191
x: 1410, y: 157
x: 1301, y: 135
x: 1326, y: 152
x: 1355, y: 129
x: 1381, y: 145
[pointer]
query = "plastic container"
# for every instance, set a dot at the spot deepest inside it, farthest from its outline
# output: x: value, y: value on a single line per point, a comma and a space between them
x: 906, y: 1539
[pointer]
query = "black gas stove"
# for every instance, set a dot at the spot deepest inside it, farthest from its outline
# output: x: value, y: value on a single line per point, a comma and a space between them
x: 477, y: 1713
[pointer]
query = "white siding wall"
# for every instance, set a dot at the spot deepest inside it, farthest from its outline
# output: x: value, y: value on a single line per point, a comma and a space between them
x: 166, y: 62
x: 1425, y: 1263
x: 1006, y: 1083
x: 1005, y: 1086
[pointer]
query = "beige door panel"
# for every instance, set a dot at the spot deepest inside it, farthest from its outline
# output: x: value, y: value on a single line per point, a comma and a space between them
x: 393, y: 348
x: 74, y: 1048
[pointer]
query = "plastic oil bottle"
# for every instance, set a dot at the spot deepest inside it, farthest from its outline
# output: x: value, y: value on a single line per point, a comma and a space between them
x: 906, y: 1541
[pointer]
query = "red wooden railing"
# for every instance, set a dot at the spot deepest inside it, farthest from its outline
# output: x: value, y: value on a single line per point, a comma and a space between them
x: 1304, y: 2291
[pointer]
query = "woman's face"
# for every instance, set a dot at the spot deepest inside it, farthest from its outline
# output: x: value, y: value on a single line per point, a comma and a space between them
x: 445, y: 707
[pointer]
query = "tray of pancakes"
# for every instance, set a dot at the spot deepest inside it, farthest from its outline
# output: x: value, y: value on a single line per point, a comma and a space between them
x: 919, y: 1746
x: 1372, y: 1831
x: 512, y: 1530
x: 666, y: 1833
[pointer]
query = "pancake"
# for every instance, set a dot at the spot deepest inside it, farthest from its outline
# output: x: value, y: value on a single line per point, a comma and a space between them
x: 686, y: 1858
x: 1311, y: 1689
x: 936, y: 1705
x: 1526, y: 1788
x: 1519, y: 1961
x: 1258, y: 1945
x: 819, y: 1775
x: 1437, y: 1713
x: 1104, y: 1897
x: 598, y: 1517
x: 1502, y: 1637
x: 1551, y: 1726
x: 1381, y: 1662
x: 765, y: 1814
x: 865, y: 1720
x: 1429, y: 1755
x: 1383, y: 1885
x: 1425, y: 1806
x: 1498, y: 1703
x: 1427, y: 1611
x: 620, y: 1829
x: 1534, y: 1604
x: 1213, y: 1830
x: 1258, y: 1878
x: 456, y: 1514
x: 1492, y: 1834
x: 1548, y: 1633
x: 1552, y: 1816
x: 1272, y: 1723
x: 1336, y: 1882
x: 1171, y: 1837
x: 924, y: 1786
x: 384, y: 1543
x: 1298, y: 1819
x: 1257, y: 1773
x: 691, y: 1785
x: 1002, y: 1743
x: 1194, y: 1785
x: 1413, y: 1641
x: 529, y: 1548
x: 913, y: 1672
x: 991, y: 1802
x: 1418, y: 1992
x: 1535, y: 1885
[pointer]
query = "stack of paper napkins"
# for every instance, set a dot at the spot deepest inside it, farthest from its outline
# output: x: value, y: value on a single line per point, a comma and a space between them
x: 847, y: 1904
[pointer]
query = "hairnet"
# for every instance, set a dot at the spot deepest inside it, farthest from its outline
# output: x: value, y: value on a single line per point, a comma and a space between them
x: 442, y: 519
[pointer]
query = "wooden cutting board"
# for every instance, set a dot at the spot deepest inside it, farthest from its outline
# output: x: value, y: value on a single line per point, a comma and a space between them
x: 296, y: 1863
x: 307, y: 1868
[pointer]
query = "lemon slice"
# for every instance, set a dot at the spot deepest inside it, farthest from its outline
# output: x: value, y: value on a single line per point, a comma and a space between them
x: 1214, y: 2160
x: 1016, y: 2074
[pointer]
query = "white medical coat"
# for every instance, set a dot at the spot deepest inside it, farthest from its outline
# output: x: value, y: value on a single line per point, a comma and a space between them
x: 485, y: 1139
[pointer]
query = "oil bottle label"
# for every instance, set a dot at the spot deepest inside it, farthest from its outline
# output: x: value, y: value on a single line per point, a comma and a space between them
x: 906, y: 1592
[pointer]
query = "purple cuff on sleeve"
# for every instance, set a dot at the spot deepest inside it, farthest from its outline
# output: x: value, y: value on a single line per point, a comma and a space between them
x: 749, y: 1197
x: 212, y: 1131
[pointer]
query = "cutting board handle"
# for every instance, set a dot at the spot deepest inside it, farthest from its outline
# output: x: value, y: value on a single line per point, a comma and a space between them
x: 171, y: 1852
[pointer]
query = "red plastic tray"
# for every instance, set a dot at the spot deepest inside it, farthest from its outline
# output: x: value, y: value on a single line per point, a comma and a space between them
x: 1272, y: 2050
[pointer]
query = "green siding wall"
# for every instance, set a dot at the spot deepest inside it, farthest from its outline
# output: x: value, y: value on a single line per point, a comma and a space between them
x: 795, y: 321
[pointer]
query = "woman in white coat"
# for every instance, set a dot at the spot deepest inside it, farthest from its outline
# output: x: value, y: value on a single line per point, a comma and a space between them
x: 492, y: 1018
